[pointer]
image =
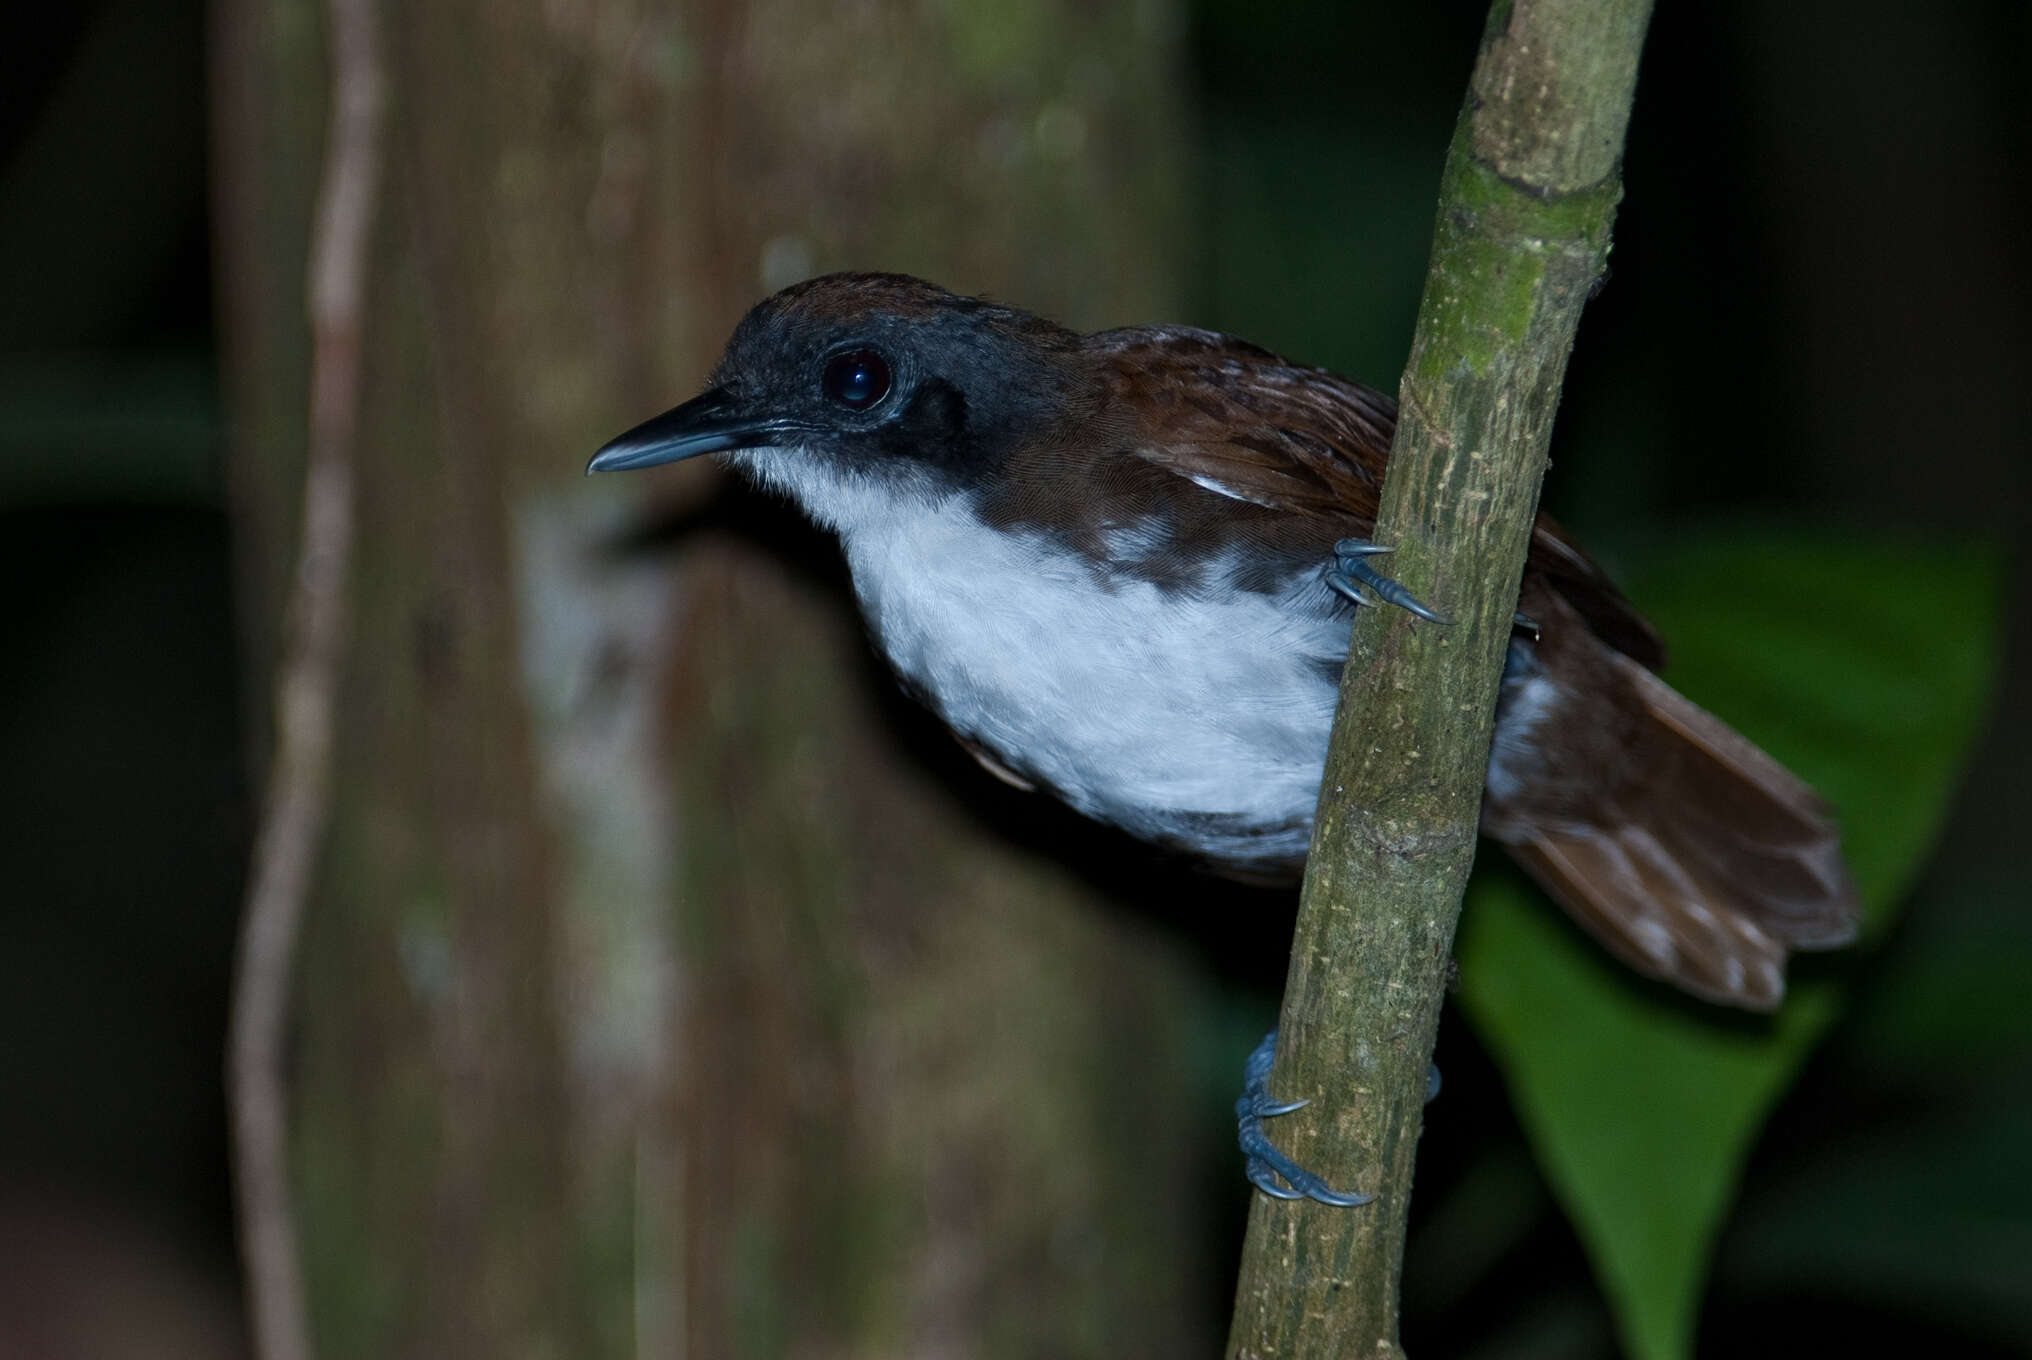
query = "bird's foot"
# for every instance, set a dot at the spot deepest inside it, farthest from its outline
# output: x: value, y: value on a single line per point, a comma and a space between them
x: 1269, y: 1170
x: 1352, y: 576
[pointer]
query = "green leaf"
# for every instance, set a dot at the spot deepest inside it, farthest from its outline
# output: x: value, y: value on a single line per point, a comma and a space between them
x: 1864, y: 671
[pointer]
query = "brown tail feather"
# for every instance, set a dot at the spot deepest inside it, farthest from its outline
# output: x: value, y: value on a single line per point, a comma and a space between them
x: 1692, y: 855
x: 1759, y: 833
x: 1611, y: 883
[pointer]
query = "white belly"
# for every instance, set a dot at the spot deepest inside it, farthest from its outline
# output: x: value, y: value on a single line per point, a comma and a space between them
x: 1198, y: 718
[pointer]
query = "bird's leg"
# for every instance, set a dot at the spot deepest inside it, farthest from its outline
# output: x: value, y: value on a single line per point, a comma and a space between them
x: 1269, y: 1170
x: 1352, y: 576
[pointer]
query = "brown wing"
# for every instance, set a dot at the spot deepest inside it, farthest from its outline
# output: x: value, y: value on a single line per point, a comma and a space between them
x: 1691, y: 854
x: 1242, y: 423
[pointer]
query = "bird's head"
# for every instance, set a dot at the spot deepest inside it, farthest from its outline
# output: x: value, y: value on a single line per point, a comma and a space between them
x: 858, y: 384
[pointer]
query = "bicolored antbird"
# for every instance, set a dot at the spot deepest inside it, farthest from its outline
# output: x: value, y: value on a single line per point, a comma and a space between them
x: 1121, y: 567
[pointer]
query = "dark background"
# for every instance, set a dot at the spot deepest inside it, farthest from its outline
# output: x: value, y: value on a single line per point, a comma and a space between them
x: 1820, y: 314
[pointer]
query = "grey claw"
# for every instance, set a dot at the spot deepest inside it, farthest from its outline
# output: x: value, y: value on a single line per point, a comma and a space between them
x: 1264, y: 1179
x: 1265, y: 1108
x: 1268, y: 1169
x: 1351, y: 572
x: 1344, y: 585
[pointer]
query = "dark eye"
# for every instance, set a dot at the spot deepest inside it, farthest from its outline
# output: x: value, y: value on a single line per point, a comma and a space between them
x: 857, y: 379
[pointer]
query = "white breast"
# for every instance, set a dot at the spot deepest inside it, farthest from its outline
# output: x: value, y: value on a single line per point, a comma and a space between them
x: 1197, y: 717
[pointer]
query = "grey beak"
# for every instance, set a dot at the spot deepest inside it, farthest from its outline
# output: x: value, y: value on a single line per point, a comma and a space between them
x: 708, y: 423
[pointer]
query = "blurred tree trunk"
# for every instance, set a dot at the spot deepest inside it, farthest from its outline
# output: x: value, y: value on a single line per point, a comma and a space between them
x: 653, y: 1000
